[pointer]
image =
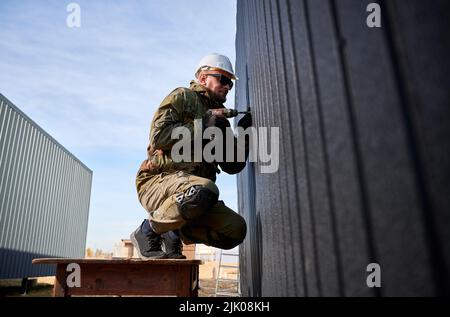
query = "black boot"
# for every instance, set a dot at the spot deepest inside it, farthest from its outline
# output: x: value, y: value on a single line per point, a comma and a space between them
x: 172, y: 245
x: 148, y: 245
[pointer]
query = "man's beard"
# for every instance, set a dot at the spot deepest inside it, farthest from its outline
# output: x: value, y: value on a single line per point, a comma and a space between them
x: 218, y: 98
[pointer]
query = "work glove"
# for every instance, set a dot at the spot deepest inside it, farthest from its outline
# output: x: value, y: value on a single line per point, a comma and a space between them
x: 245, y: 121
x: 222, y: 123
x: 210, y: 120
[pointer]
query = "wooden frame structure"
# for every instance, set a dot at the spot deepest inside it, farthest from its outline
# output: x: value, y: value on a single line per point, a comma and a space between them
x: 162, y: 277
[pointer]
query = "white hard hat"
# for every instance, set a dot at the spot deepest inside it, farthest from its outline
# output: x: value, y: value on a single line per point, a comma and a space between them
x: 218, y: 61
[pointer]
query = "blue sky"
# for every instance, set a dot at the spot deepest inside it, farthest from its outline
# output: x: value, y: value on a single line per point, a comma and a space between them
x: 95, y: 88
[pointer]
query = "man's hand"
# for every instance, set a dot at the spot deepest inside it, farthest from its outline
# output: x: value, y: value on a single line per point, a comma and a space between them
x: 222, y: 123
x: 246, y: 121
x: 235, y: 166
x: 212, y: 120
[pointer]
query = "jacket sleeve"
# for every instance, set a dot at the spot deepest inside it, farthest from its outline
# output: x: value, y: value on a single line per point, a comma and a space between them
x: 168, y: 117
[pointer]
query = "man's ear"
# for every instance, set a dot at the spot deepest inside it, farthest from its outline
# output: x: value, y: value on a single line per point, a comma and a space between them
x: 202, y: 78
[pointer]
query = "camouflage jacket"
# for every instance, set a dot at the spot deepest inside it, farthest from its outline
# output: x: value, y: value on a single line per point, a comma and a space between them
x: 180, y: 108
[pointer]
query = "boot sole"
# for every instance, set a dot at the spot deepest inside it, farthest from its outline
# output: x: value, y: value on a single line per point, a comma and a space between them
x: 136, y: 246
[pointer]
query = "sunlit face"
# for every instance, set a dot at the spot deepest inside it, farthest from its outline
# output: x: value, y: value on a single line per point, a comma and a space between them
x: 213, y: 83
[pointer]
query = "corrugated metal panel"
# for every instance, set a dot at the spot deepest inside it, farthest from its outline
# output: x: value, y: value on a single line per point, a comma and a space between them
x: 364, y: 122
x: 44, y: 197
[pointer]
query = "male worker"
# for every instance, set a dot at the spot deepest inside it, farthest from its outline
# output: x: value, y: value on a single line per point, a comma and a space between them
x: 181, y: 197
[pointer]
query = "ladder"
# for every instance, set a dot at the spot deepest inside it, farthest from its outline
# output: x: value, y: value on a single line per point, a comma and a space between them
x: 219, y: 288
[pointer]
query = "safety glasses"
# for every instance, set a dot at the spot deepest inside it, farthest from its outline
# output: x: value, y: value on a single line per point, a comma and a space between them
x: 224, y: 80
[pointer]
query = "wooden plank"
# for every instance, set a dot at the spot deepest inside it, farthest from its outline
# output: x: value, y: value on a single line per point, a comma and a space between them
x: 127, y: 277
x: 351, y: 249
x: 389, y: 187
x: 420, y: 37
x: 364, y: 124
x: 118, y: 261
x: 183, y: 282
x: 59, y: 289
x: 300, y: 121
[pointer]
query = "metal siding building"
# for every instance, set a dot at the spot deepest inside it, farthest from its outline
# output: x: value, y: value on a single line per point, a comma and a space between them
x: 364, y: 117
x: 44, y: 197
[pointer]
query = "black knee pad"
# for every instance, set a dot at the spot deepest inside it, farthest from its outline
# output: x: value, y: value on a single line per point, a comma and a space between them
x: 195, y: 201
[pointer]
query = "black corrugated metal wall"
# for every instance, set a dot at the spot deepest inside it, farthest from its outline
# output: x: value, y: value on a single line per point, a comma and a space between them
x: 364, y: 117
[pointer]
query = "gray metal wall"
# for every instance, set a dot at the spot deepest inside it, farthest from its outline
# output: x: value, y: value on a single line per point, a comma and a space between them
x: 44, y: 197
x: 364, y: 117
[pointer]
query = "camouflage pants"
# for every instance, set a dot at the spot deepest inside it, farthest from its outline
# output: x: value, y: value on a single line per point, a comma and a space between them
x: 219, y: 226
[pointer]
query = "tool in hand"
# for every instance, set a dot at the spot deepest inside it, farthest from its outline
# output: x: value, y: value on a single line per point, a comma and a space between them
x: 226, y: 112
